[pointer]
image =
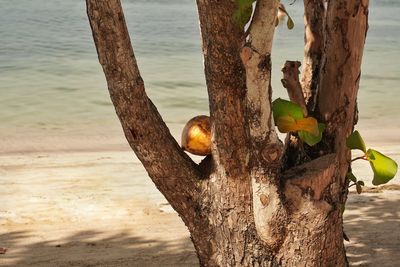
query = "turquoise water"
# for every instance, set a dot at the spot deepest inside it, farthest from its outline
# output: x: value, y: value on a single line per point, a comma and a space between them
x: 51, y: 81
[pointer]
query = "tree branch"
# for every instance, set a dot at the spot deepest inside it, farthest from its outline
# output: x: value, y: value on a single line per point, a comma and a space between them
x: 222, y: 41
x: 266, y: 149
x: 256, y: 57
x: 291, y: 82
x: 345, y: 28
x: 314, y: 19
x: 173, y: 172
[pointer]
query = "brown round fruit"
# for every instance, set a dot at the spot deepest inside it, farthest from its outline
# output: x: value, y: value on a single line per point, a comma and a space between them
x: 196, y: 136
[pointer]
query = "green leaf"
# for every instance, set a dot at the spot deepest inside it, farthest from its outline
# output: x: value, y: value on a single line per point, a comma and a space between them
x: 311, y: 139
x: 355, y: 141
x: 243, y: 4
x: 289, y: 117
x: 288, y: 124
x: 243, y: 12
x: 361, y: 183
x: 289, y: 23
x: 384, y: 168
x: 351, y: 177
x: 359, y: 188
x: 242, y: 17
x: 285, y: 124
x: 281, y: 108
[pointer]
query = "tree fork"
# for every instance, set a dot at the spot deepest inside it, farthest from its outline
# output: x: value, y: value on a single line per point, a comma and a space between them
x: 249, y: 211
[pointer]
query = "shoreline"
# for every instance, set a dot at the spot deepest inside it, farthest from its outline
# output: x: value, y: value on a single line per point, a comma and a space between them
x: 111, y: 138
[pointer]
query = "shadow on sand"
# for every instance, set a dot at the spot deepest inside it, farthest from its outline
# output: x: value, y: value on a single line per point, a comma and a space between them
x: 372, y: 222
x: 87, y: 249
x: 374, y: 233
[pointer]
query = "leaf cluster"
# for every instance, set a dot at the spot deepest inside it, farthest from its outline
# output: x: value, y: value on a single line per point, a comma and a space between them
x: 384, y: 167
x: 358, y: 184
x: 289, y: 117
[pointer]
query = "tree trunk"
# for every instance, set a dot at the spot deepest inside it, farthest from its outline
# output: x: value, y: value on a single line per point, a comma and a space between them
x: 245, y: 205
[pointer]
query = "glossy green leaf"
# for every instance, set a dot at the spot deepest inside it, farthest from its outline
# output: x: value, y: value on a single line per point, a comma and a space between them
x: 355, y: 141
x: 384, y: 167
x: 311, y: 139
x: 281, y: 108
x: 351, y: 177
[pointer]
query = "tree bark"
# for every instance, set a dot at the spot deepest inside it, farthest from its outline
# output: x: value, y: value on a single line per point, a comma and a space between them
x: 244, y: 206
x: 314, y: 22
x: 172, y: 171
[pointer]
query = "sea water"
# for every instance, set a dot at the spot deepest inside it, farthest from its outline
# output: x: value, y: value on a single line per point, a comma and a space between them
x: 51, y: 81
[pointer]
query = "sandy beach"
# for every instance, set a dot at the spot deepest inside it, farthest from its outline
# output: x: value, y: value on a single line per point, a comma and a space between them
x: 73, y: 193
x: 64, y: 206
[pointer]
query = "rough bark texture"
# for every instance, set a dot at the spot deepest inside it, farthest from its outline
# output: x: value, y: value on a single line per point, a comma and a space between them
x: 244, y: 206
x: 228, y: 205
x: 314, y: 20
x: 265, y: 147
x: 226, y: 83
x: 171, y: 170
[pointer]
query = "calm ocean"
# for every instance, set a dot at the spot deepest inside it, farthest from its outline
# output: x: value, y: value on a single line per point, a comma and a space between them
x: 51, y: 81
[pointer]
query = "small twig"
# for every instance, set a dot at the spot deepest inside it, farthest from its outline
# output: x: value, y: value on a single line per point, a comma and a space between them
x: 292, y: 84
x: 352, y: 185
x: 357, y: 158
